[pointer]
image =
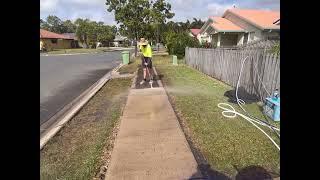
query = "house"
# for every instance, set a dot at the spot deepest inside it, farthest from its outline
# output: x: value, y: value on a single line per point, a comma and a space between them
x: 200, y: 37
x: 119, y: 40
x: 241, y: 26
x: 195, y: 33
x: 52, y: 40
x: 75, y: 43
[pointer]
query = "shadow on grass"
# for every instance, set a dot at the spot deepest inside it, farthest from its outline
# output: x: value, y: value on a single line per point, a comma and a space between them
x: 254, y: 173
x: 205, y: 172
x: 242, y: 94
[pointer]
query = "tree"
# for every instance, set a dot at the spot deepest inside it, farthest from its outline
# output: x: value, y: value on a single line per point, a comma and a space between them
x: 177, y: 42
x: 82, y: 32
x: 44, y: 25
x: 90, y: 32
x: 160, y: 12
x: 135, y: 17
x: 196, y: 24
x: 105, y: 34
x: 55, y: 24
x: 69, y: 27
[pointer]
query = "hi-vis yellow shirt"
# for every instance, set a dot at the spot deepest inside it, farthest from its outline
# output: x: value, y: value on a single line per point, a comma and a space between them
x: 147, y: 51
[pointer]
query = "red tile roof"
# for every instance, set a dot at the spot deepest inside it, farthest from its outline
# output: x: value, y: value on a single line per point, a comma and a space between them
x: 195, y: 32
x: 51, y: 35
x: 224, y: 25
x: 261, y: 18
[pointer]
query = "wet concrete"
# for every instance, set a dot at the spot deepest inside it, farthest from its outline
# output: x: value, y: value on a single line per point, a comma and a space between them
x: 146, y: 84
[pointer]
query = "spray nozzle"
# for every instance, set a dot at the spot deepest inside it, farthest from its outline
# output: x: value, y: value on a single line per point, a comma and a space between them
x: 276, y: 94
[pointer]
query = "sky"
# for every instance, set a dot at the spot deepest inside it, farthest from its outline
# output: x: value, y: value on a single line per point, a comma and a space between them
x: 183, y: 9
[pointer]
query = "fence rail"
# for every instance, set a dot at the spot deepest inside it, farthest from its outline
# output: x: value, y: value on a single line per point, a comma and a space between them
x: 261, y: 71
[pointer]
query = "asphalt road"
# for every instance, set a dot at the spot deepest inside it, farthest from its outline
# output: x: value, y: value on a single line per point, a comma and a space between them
x: 63, y: 78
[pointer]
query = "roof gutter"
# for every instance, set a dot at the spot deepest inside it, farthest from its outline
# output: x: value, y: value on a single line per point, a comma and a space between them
x: 224, y: 31
x: 276, y: 21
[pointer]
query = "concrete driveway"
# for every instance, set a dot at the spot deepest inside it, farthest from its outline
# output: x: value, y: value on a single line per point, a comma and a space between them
x: 63, y: 78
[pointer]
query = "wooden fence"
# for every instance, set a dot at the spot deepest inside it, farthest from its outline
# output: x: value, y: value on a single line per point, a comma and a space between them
x: 225, y: 65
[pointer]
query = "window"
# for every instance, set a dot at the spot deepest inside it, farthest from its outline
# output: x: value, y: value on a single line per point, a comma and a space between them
x: 251, y: 36
x: 54, y: 41
x: 245, y: 38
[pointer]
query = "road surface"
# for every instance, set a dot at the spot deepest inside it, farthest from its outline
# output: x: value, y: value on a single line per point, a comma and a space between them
x: 63, y: 78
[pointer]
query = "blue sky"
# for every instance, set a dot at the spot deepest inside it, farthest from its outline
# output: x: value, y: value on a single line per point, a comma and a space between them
x: 183, y: 9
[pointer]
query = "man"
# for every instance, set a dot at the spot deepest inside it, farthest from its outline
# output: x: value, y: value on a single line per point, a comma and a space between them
x: 146, y: 60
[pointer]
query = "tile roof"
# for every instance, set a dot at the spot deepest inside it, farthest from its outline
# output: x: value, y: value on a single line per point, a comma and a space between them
x: 119, y: 38
x: 195, y: 32
x: 70, y: 35
x: 224, y: 25
x: 51, y: 35
x: 263, y: 19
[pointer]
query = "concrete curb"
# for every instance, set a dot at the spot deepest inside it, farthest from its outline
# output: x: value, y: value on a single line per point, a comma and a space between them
x: 109, y: 50
x: 134, y: 81
x: 68, y: 111
x: 69, y: 54
x: 156, y: 73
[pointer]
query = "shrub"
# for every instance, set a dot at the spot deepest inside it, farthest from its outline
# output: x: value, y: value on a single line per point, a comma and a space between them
x: 276, y: 49
x: 177, y: 42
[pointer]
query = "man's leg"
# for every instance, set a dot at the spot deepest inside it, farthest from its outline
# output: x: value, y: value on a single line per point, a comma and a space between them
x: 150, y: 69
x: 144, y: 70
x: 144, y: 73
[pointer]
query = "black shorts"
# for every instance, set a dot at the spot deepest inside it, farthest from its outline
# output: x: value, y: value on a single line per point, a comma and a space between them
x: 147, y: 60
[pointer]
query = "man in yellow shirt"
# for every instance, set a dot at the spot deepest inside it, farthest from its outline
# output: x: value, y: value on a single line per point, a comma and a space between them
x: 146, y: 59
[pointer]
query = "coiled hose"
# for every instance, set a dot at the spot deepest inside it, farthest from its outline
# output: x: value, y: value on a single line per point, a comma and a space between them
x: 230, y: 112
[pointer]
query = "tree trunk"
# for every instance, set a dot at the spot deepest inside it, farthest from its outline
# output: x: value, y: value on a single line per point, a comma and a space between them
x: 136, y: 48
x: 136, y: 44
x: 157, y: 44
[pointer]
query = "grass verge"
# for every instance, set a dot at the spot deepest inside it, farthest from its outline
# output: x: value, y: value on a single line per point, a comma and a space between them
x: 76, y: 151
x: 228, y: 145
x: 131, y: 67
x: 75, y: 51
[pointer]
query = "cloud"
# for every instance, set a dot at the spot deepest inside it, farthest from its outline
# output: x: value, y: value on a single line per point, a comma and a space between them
x: 73, y: 9
x: 47, y: 6
x: 215, y: 9
x: 86, y: 2
x: 259, y: 4
x: 183, y: 9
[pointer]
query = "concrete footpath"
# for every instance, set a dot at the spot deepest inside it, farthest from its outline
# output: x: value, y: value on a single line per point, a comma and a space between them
x: 150, y: 143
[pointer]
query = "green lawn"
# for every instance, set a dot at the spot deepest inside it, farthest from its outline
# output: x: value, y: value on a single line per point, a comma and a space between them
x: 77, y: 151
x: 225, y: 143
